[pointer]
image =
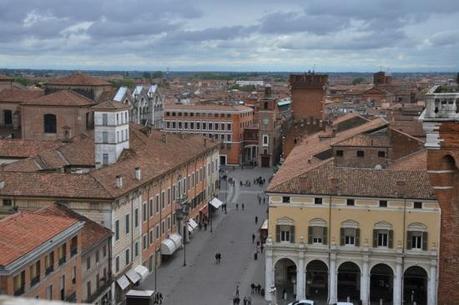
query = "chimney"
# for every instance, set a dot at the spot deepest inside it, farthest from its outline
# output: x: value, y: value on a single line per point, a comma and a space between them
x: 119, y: 181
x: 138, y: 173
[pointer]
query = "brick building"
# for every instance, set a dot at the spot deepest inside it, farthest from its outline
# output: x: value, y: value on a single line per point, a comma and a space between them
x: 86, y: 85
x: 41, y: 256
x: 440, y: 122
x: 308, y: 95
x: 224, y: 123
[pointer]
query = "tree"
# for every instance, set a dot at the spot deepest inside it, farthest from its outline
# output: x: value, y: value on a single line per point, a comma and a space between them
x: 358, y: 80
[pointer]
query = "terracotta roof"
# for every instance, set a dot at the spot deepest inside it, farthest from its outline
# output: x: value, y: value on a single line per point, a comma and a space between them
x: 416, y: 161
x: 204, y: 107
x: 92, y: 232
x: 110, y: 106
x: 79, y: 79
x: 50, y: 184
x: 366, y: 140
x: 301, y: 158
x: 18, y: 148
x: 24, y: 231
x: 61, y: 98
x: 19, y: 95
x: 358, y: 182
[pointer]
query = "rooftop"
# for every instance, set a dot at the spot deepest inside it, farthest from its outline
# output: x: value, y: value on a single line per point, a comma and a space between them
x: 204, y: 107
x: 79, y: 79
x: 19, y: 95
x: 61, y: 98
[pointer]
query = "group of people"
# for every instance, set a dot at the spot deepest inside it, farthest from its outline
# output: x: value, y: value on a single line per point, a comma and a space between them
x: 261, y: 199
x: 158, y: 298
x: 257, y: 288
x: 260, y: 181
x: 218, y: 258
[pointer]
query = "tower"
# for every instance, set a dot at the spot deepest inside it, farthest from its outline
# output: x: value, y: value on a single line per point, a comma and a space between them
x: 308, y: 94
x: 441, y: 124
x: 111, y: 131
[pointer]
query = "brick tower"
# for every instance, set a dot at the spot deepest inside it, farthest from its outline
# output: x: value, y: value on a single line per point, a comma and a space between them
x: 308, y: 94
x: 441, y: 124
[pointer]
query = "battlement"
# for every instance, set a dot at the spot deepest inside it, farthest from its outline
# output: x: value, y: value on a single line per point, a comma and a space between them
x: 308, y: 81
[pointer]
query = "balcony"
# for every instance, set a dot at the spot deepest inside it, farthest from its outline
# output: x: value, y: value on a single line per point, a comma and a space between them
x: 49, y: 270
x: 34, y: 281
x: 73, y: 251
x: 62, y: 260
x: 100, y: 291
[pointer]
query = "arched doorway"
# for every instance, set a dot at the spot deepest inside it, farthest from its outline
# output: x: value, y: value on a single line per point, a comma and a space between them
x: 285, y: 279
x: 348, y: 282
x: 317, y: 281
x: 381, y: 285
x: 415, y: 286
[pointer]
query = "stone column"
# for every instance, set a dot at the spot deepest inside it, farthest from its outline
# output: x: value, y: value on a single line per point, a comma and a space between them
x: 300, y: 278
x: 333, y: 287
x: 398, y: 276
x: 432, y: 285
x: 364, y: 282
x: 269, y: 270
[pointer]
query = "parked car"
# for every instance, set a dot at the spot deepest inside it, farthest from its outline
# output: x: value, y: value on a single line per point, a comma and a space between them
x: 302, y: 302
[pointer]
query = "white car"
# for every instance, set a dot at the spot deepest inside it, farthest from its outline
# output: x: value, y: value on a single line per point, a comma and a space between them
x: 302, y: 302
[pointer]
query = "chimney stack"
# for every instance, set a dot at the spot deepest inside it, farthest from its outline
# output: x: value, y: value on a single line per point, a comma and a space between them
x: 119, y: 181
x: 138, y: 173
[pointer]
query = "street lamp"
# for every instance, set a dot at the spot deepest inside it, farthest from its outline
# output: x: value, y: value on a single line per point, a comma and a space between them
x: 181, y: 213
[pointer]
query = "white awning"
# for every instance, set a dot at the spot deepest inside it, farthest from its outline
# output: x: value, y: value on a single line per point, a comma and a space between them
x: 192, y: 223
x: 168, y: 247
x: 177, y: 239
x: 142, y: 271
x: 123, y: 282
x: 140, y: 293
x: 216, y: 203
x: 133, y: 276
x: 189, y: 227
x: 264, y: 226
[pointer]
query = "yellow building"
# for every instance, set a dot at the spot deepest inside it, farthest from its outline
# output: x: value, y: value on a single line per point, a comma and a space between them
x: 339, y: 233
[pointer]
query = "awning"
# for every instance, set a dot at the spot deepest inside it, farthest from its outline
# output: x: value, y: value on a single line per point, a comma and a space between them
x: 192, y: 223
x: 123, y: 282
x: 171, y: 244
x: 142, y: 271
x: 264, y: 226
x: 133, y: 276
x: 203, y: 210
x: 216, y: 203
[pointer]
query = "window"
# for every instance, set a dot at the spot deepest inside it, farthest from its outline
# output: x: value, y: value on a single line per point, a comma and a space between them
x: 128, y: 259
x: 136, y: 218
x: 19, y: 283
x: 317, y: 235
x: 74, y: 272
x: 285, y: 199
x: 49, y: 292
x: 97, y: 256
x: 360, y: 153
x: 62, y: 284
x: 317, y: 200
x: 144, y: 212
x: 151, y: 206
x: 74, y: 246
x: 417, y: 205
x: 350, y: 202
x: 285, y: 233
x: 339, y: 153
x: 349, y: 236
x: 7, y: 202
x: 104, y: 159
x: 157, y: 231
x: 381, y: 154
x: 127, y: 224
x: 117, y: 264
x: 49, y: 263
x: 144, y: 241
x: 417, y: 240
x: 88, y: 263
x: 265, y: 140
x: 88, y: 288
x: 61, y: 254
x: 104, y: 251
x: 157, y: 204
x: 383, y: 203
x: 151, y: 236
x: 35, y: 273
x: 49, y: 121
x: 105, y: 137
x: 117, y: 230
x: 136, y: 249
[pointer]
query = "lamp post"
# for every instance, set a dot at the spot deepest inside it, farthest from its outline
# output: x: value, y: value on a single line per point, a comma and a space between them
x: 181, y: 213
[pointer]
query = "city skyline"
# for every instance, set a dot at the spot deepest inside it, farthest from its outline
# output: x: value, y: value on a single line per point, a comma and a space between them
x: 230, y: 36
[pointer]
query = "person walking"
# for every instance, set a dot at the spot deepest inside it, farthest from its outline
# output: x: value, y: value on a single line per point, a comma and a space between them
x: 253, y: 238
x: 242, y: 206
x: 205, y: 226
x: 237, y: 206
x: 216, y: 258
x: 237, y: 290
x: 256, y: 220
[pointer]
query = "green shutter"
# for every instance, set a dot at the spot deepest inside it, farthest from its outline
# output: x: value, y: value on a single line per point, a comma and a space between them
x: 424, y: 241
x: 325, y: 235
x: 292, y: 234
x: 310, y: 234
x: 278, y: 233
x: 409, y: 235
x: 391, y: 239
x: 375, y: 238
x: 357, y: 237
x: 342, y: 236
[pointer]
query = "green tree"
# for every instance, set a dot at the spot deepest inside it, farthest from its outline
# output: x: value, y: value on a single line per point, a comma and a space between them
x: 358, y: 80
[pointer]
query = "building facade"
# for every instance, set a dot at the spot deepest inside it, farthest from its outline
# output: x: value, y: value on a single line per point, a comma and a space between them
x: 222, y: 123
x: 440, y: 122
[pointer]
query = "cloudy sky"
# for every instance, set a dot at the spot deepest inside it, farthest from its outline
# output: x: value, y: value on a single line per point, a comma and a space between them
x: 236, y: 35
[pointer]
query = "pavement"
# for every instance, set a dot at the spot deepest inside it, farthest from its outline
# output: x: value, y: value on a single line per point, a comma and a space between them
x: 202, y: 281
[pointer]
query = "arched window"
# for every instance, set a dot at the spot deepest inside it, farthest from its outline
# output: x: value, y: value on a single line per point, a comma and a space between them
x: 49, y: 123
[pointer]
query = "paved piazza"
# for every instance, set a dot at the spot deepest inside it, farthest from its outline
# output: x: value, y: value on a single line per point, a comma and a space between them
x: 201, y: 281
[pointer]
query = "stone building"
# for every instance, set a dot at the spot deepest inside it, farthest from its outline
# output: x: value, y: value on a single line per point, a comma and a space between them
x: 440, y: 122
x: 352, y: 216
x: 224, y: 123
x: 41, y: 256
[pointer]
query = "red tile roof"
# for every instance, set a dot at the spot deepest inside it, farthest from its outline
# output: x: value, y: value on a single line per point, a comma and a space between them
x: 110, y: 106
x: 24, y: 231
x: 415, y: 161
x: 18, y: 148
x: 79, y: 79
x: 61, y: 98
x: 19, y: 95
x: 204, y: 107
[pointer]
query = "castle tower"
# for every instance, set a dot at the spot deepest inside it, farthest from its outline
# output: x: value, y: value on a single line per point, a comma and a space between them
x: 441, y: 124
x: 308, y: 95
x: 111, y: 131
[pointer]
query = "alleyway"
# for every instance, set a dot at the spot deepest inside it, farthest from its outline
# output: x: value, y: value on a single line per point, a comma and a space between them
x: 201, y: 281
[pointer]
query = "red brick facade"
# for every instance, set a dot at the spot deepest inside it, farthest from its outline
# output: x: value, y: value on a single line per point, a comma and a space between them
x: 308, y: 94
